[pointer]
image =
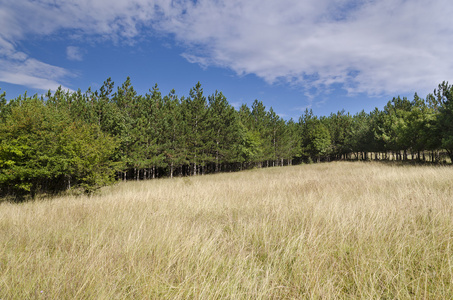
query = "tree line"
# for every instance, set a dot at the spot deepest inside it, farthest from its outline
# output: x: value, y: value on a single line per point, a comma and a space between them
x: 81, y: 141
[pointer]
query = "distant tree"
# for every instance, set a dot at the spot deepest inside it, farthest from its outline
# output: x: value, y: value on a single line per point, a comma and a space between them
x: 444, y: 95
x: 251, y: 144
x: 4, y: 109
x: 316, y: 140
x: 223, y: 131
x: 260, y: 121
x: 125, y: 100
x: 339, y: 124
x: 195, y: 118
x: 292, y: 147
x: 43, y: 150
x: 249, y: 148
x: 174, y: 131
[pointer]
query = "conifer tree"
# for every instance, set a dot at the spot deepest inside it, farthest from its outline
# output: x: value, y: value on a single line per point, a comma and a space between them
x: 223, y: 125
x: 174, y: 132
x: 195, y: 109
x: 126, y: 103
x: 259, y: 124
x: 445, y: 117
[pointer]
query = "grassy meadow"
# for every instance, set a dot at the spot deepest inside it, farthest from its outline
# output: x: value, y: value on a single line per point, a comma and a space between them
x: 343, y: 230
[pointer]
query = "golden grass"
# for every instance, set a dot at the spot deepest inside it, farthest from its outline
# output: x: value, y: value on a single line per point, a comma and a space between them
x: 333, y: 231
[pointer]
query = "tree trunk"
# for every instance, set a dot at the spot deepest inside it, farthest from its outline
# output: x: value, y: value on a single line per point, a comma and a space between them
x: 69, y: 182
x: 450, y: 154
x: 217, y: 158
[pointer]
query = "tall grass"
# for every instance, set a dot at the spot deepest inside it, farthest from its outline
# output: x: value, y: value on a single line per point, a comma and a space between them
x: 339, y: 230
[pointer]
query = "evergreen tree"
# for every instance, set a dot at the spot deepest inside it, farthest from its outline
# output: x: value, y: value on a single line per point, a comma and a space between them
x: 4, y: 108
x: 292, y: 146
x: 445, y: 117
x: 223, y: 126
x: 339, y: 125
x: 195, y: 110
x: 316, y: 137
x: 126, y: 103
x: 260, y: 121
x: 174, y: 131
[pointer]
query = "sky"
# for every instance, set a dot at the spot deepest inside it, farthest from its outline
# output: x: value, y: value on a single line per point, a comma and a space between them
x: 324, y: 55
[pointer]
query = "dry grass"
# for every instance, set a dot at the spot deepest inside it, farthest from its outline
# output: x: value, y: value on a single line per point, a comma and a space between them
x: 335, y: 231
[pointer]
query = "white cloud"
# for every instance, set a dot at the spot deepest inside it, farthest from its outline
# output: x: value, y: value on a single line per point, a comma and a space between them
x: 74, y: 53
x: 18, y: 68
x: 31, y: 81
x: 114, y: 20
x: 374, y: 47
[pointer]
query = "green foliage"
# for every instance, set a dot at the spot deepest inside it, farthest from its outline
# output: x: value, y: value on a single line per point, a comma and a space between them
x: 223, y: 131
x: 445, y: 117
x: 4, y: 109
x: 316, y: 139
x: 250, y: 146
x: 170, y: 133
x: 43, y: 150
x: 339, y: 125
x: 74, y: 140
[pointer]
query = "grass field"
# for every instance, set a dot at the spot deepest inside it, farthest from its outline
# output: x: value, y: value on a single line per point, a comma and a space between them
x: 332, y: 231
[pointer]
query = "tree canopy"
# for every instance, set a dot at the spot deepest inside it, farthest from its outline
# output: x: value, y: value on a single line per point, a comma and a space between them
x: 81, y: 141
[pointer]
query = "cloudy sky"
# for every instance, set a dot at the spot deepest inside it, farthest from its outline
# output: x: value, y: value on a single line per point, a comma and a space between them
x: 291, y: 54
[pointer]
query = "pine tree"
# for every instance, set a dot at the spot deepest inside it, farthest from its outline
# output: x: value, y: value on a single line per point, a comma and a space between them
x: 260, y: 120
x: 194, y: 110
x: 126, y: 103
x: 445, y: 117
x: 223, y: 125
x: 174, y: 132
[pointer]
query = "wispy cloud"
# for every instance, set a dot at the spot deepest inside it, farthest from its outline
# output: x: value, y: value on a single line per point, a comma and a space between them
x: 74, y: 53
x: 113, y: 20
x: 18, y: 68
x: 372, y: 47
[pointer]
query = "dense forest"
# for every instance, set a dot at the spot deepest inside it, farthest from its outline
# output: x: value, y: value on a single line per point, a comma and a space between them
x: 81, y: 141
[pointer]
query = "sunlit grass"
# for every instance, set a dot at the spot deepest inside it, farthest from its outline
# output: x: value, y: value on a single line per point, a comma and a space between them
x: 337, y: 230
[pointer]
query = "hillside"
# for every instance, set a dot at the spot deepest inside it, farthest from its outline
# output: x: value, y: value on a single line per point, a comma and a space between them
x: 338, y: 230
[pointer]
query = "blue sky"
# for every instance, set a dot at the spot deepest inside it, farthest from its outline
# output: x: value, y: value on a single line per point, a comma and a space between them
x: 326, y: 55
